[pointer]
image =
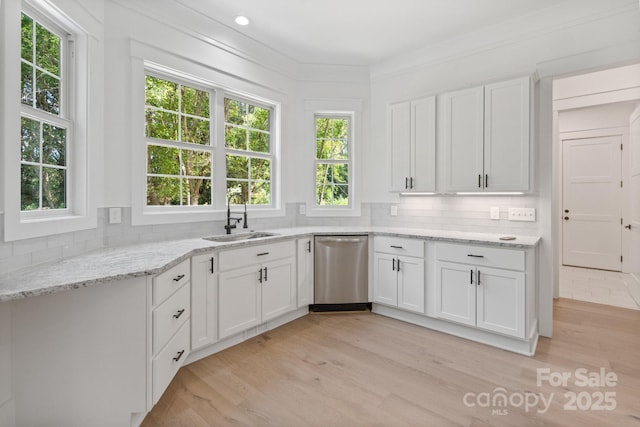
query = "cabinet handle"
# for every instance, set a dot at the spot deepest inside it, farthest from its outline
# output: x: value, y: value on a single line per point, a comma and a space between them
x: 393, y: 267
x: 486, y: 181
x: 178, y: 278
x: 628, y: 226
x: 478, y: 279
x: 178, y: 314
x: 260, y: 276
x: 178, y: 356
x: 309, y: 246
x: 471, y: 280
x: 263, y: 254
x: 396, y: 247
x: 411, y: 182
x: 265, y: 274
x: 475, y: 256
x: 479, y: 181
x: 398, y: 269
x: 406, y: 183
x: 212, y: 265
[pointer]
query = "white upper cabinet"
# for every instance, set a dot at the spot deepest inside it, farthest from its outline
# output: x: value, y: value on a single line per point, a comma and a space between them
x: 412, y: 145
x: 485, y: 137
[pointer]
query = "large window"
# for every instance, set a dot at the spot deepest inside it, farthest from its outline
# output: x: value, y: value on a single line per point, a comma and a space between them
x: 44, y: 125
x: 333, y: 160
x: 179, y: 148
x: 249, y: 152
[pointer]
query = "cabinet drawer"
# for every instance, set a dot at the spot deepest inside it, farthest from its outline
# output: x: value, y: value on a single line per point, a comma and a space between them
x: 399, y: 246
x: 166, y: 283
x: 169, y: 316
x: 236, y: 258
x: 165, y: 365
x: 510, y: 259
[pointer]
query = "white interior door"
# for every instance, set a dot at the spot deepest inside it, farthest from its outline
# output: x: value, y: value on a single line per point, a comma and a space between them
x: 632, y: 264
x: 592, y: 202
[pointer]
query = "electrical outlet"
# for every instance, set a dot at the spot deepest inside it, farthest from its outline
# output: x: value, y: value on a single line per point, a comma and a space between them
x: 302, y: 209
x: 115, y: 215
x: 495, y: 212
x: 522, y: 214
x: 394, y: 210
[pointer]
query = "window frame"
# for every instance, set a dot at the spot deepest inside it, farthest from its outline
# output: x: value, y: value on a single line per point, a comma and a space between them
x: 271, y: 156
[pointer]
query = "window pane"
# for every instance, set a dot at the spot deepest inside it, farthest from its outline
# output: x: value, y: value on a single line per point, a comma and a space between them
x: 161, y: 93
x: 260, y: 193
x: 29, y: 187
x: 341, y: 195
x: 237, y: 167
x: 258, y: 118
x: 235, y: 137
x: 53, y: 188
x: 195, y: 102
x: 324, y: 174
x: 30, y: 140
x: 340, y: 173
x: 26, y: 84
x: 47, y: 50
x: 196, y: 192
x: 27, y: 38
x: 338, y: 129
x: 260, y: 169
x: 234, y: 112
x: 47, y: 93
x: 163, y: 191
x: 163, y: 160
x: 54, y: 140
x: 323, y: 195
x: 196, y: 163
x: 162, y: 125
x: 195, y: 130
x: 237, y: 191
x: 259, y: 142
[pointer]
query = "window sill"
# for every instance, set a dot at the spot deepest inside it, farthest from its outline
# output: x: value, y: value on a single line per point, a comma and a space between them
x: 334, y: 211
x: 159, y: 217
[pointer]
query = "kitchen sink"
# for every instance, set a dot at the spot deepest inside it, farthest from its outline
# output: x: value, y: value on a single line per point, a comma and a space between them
x: 239, y: 237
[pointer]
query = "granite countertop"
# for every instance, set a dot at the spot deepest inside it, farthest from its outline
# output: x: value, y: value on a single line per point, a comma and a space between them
x: 117, y: 263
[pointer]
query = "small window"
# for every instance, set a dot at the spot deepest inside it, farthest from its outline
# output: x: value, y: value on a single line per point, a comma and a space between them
x: 333, y: 160
x: 45, y: 131
x: 249, y: 152
x: 179, y: 148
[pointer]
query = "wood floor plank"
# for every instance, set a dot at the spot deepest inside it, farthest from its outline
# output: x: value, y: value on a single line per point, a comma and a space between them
x: 363, y: 369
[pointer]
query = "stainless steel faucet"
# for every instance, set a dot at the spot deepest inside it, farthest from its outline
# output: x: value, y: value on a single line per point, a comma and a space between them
x: 244, y: 218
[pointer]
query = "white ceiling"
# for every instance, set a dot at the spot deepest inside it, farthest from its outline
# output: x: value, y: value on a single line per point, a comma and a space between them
x: 360, y: 32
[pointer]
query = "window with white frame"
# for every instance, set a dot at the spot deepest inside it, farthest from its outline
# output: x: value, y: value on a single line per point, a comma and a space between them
x: 333, y: 160
x: 249, y: 152
x: 180, y: 153
x: 45, y: 125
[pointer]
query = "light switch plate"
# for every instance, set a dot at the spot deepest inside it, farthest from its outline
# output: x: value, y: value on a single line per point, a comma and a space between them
x: 302, y: 209
x: 495, y: 212
x: 522, y: 214
x: 115, y: 215
x: 394, y: 210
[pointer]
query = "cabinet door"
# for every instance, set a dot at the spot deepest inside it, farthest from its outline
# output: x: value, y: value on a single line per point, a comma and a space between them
x: 239, y: 300
x: 411, y: 283
x: 456, y: 292
x: 423, y: 154
x: 463, y: 135
x: 506, y: 140
x: 305, y: 272
x: 278, y: 288
x: 501, y: 306
x: 399, y: 137
x: 385, y: 279
x: 204, y: 307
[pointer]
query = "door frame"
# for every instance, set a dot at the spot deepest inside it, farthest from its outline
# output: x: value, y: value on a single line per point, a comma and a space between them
x: 594, y: 133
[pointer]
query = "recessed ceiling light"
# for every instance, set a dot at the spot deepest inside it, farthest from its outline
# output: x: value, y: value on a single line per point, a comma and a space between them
x: 242, y: 20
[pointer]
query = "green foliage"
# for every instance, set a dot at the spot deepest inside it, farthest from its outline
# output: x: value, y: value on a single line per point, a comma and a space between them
x: 332, y: 170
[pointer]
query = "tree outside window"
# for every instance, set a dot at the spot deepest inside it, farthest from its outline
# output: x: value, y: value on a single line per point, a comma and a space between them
x: 332, y: 160
x: 179, y: 149
x: 249, y: 157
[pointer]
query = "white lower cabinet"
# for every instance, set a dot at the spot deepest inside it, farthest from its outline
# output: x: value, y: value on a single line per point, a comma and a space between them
x: 479, y: 294
x: 254, y: 292
x: 204, y: 300
x: 398, y: 279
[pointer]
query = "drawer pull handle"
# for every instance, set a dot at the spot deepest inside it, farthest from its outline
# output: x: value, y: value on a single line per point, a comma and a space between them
x: 178, y: 278
x: 178, y: 314
x: 263, y: 254
x: 178, y: 356
x: 396, y: 247
x: 475, y: 256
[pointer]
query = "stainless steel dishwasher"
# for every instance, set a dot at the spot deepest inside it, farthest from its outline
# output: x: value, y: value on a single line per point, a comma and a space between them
x: 341, y: 273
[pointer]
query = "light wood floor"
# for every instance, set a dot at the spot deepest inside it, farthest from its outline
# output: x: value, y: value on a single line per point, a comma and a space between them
x: 368, y: 370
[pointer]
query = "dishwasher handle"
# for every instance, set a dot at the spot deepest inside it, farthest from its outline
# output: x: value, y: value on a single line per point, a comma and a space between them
x: 340, y: 240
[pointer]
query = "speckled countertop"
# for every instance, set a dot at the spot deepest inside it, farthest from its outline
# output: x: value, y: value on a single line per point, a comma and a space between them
x: 116, y: 263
